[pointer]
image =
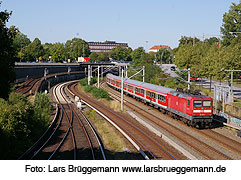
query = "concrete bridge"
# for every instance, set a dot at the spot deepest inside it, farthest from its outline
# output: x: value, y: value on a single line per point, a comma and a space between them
x: 23, y: 70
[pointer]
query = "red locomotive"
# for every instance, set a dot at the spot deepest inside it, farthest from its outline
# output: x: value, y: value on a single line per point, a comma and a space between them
x: 194, y: 109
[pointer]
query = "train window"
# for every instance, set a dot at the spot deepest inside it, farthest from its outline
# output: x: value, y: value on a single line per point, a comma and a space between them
x: 148, y: 93
x: 154, y: 95
x: 188, y: 103
x: 197, y: 103
x: 164, y: 99
x: 206, y: 103
x: 142, y: 91
x: 159, y: 97
x: 137, y: 90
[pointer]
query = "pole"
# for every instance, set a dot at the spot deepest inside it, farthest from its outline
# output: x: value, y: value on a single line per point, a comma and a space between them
x: 215, y: 98
x: 119, y: 70
x: 126, y: 71
x: 98, y: 77
x: 88, y: 74
x: 122, y: 90
x: 188, y: 79
x: 223, y: 93
x: 231, y: 83
x: 101, y: 72
x: 143, y: 73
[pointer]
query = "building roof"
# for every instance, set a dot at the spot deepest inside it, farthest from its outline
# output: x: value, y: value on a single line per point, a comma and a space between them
x: 157, y: 47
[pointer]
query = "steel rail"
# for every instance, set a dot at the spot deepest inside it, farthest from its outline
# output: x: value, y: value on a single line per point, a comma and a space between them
x: 42, y: 136
x: 141, y: 133
x: 89, y: 124
x: 69, y: 128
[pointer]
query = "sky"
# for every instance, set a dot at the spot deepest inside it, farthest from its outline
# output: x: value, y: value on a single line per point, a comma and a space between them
x: 140, y: 23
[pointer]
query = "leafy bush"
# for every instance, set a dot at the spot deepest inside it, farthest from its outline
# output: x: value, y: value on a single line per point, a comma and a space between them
x: 88, y: 88
x: 42, y: 112
x: 84, y: 81
x: 15, y: 119
x: 21, y: 123
x: 100, y: 93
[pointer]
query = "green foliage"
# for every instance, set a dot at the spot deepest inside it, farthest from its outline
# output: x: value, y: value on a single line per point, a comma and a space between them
x: 88, y: 88
x: 15, y: 117
x: 231, y: 23
x: 94, y: 57
x: 76, y: 48
x: 42, y: 112
x: 33, y: 51
x: 84, y: 82
x: 164, y: 56
x: 121, y: 53
x: 188, y: 40
x: 57, y: 51
x: 20, y: 41
x: 96, y: 92
x: 7, y: 54
x: 100, y: 93
x: 21, y: 123
x: 137, y: 54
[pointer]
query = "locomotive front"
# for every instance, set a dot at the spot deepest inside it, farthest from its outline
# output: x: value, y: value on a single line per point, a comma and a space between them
x: 202, y: 111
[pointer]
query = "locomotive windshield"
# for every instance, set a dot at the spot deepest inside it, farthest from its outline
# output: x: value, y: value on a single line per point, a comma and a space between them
x: 199, y: 103
x: 206, y: 103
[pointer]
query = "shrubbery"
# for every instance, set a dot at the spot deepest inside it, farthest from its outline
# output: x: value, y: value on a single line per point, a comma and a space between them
x: 84, y: 82
x: 21, y: 123
x: 96, y: 92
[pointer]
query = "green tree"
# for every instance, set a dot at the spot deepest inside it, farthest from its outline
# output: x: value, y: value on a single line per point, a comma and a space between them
x: 94, y: 56
x: 164, y: 56
x: 231, y: 23
x: 7, y: 54
x: 47, y: 50
x: 76, y: 48
x: 212, y: 40
x: 15, y: 117
x: 57, y: 52
x: 103, y: 56
x: 120, y: 53
x: 20, y: 41
x: 137, y: 54
x: 36, y: 49
x: 33, y: 51
x: 186, y: 40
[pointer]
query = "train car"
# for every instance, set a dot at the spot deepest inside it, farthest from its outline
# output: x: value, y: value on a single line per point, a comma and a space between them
x: 193, y: 109
x: 145, y: 92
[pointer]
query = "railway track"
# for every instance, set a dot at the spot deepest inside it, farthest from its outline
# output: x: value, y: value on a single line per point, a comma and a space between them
x: 69, y: 137
x: 152, y: 146
x: 206, y: 151
x: 29, y: 87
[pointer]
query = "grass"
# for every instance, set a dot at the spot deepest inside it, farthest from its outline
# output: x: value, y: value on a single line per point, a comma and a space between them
x: 114, y: 142
x: 111, y: 139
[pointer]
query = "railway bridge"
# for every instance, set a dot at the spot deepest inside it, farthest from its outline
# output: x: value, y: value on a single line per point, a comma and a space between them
x: 32, y: 70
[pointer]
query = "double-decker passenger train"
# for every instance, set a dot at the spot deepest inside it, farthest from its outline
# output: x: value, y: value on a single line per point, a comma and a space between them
x: 194, y: 109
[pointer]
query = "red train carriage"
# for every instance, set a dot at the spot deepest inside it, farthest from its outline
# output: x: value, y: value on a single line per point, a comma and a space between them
x: 145, y: 92
x: 195, y: 110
